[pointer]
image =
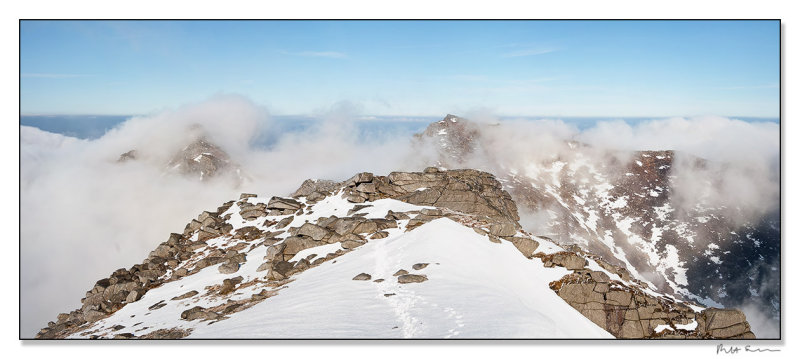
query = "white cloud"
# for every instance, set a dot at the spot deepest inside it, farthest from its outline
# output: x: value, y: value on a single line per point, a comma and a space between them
x: 527, y: 52
x: 50, y: 75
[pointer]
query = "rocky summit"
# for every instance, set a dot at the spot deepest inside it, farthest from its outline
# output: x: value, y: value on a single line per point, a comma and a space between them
x: 627, y: 208
x: 431, y: 254
x: 200, y: 158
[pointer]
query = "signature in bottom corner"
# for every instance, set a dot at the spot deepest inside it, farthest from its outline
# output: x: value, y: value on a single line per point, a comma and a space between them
x: 734, y: 349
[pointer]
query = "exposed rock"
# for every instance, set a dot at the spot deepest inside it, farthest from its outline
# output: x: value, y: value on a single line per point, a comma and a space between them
x: 568, y: 260
x: 229, y: 284
x: 133, y: 296
x: 93, y: 315
x: 281, y: 268
x: 350, y: 244
x: 157, y: 306
x: 188, y: 294
x: 314, y: 231
x: 526, y: 246
x: 229, y: 267
x: 198, y: 312
x: 201, y: 159
x: 281, y: 203
x: 127, y: 156
x: 284, y: 222
x: 363, y: 177
x: 264, y: 266
x: 181, y: 272
x: 362, y: 276
x: 726, y: 323
x: 312, y: 186
x: 396, y: 216
x: 400, y: 272
x: 275, y: 251
x: 296, y: 244
x: 357, y: 208
x: 627, y: 312
x: 379, y: 235
x: 419, y: 266
x: 173, y: 333
x: 411, y: 278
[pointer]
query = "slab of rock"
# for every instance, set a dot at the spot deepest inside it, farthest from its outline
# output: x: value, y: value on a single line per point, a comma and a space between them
x: 362, y: 177
x: 350, y: 244
x: 314, y: 231
x: 419, y: 266
x: 188, y: 294
x: 229, y: 284
x: 296, y: 244
x: 568, y: 260
x: 229, y: 267
x: 396, y: 216
x: 284, y: 222
x: 726, y: 323
x: 314, y: 186
x: 281, y: 203
x: 526, y: 246
x: 198, y: 312
x: 362, y: 276
x: 93, y: 315
x: 379, y: 235
x: 133, y: 296
x: 411, y: 278
x: 400, y: 272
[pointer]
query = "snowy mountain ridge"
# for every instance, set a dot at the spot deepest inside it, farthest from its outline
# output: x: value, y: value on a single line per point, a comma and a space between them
x: 656, y: 213
x: 433, y: 254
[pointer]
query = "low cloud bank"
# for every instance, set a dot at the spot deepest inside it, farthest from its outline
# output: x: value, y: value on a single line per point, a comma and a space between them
x: 84, y: 215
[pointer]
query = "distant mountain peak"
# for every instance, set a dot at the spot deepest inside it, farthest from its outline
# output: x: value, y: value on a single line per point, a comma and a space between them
x: 200, y: 158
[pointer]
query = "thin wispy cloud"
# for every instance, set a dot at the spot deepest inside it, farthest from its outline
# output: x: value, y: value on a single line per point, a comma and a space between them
x: 527, y: 52
x: 326, y: 54
x: 51, y: 75
x: 752, y: 87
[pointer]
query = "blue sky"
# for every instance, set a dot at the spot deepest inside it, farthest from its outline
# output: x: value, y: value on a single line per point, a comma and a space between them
x: 413, y: 68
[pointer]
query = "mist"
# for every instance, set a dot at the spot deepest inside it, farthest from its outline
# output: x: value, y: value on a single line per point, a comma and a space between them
x: 84, y: 215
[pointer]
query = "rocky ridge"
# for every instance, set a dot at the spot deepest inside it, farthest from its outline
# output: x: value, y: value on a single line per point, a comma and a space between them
x: 273, y: 235
x: 622, y: 207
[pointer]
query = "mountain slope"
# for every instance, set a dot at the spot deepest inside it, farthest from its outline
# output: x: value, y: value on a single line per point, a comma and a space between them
x: 656, y: 213
x: 331, y: 268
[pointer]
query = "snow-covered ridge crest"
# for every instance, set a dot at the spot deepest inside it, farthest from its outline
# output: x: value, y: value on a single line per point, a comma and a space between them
x: 433, y: 254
